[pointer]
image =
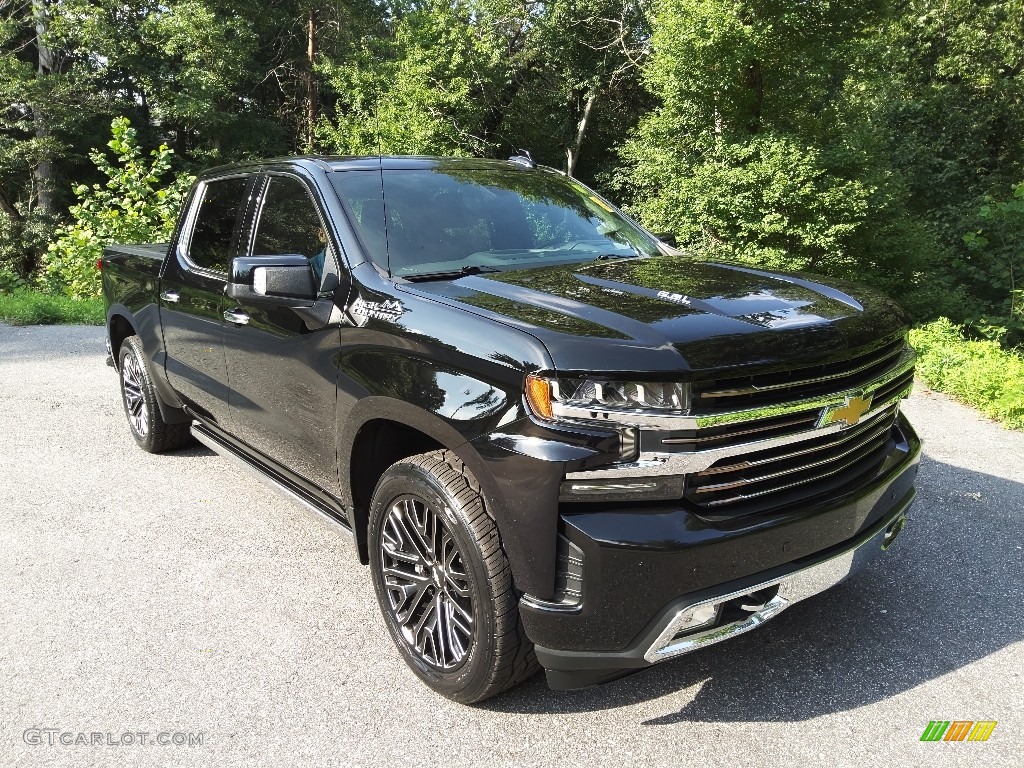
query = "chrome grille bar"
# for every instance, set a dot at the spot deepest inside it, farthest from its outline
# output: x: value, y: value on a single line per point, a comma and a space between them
x: 828, y: 461
x: 878, y: 424
x: 832, y: 469
x: 887, y: 356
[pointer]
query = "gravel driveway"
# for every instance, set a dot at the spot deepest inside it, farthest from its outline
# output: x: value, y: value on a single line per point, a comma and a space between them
x: 169, y: 596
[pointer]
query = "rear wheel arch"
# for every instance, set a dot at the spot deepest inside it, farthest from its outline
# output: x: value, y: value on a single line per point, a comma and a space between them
x: 119, y: 328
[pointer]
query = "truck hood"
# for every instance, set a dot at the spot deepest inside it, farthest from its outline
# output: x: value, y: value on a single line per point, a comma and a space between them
x: 670, y: 313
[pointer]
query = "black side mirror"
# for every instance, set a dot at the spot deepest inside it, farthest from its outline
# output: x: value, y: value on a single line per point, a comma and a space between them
x: 667, y: 238
x: 286, y: 279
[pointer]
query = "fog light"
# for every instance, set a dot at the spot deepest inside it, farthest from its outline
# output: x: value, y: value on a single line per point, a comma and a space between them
x: 623, y: 489
x: 699, y: 617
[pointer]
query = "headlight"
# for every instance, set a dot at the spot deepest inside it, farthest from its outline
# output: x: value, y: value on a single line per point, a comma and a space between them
x: 597, y: 399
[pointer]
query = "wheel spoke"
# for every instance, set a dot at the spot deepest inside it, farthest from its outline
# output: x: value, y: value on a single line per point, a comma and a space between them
x: 464, y: 615
x: 454, y: 573
x: 395, y: 539
x: 409, y: 523
x: 441, y: 631
x: 426, y: 582
x: 459, y: 633
x: 411, y: 598
x: 134, y: 398
x: 423, y: 632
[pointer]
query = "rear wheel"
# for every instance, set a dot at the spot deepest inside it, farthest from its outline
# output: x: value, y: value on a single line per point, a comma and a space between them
x: 141, y: 406
x: 442, y: 580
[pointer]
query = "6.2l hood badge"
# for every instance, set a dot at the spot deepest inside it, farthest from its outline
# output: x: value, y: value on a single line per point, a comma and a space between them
x: 676, y: 298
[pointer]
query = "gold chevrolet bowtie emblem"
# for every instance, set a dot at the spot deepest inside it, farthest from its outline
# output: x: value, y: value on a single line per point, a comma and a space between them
x: 849, y: 412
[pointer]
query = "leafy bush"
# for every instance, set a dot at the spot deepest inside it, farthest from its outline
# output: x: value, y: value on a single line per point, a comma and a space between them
x: 132, y: 207
x: 994, y: 264
x: 979, y: 373
x: 29, y: 307
x: 769, y: 201
x: 22, y: 242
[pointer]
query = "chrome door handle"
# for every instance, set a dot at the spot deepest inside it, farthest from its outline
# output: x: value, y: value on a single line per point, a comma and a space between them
x: 236, y: 316
x: 171, y: 297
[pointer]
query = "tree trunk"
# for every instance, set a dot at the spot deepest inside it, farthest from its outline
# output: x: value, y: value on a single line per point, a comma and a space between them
x: 8, y: 207
x: 45, y: 171
x: 572, y: 154
x: 755, y: 82
x: 495, y: 115
x: 311, y: 89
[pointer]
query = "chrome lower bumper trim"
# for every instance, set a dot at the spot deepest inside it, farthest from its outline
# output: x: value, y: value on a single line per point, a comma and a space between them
x: 792, y: 588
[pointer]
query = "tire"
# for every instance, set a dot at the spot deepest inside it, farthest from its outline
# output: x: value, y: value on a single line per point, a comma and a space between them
x: 140, y: 400
x: 442, y: 580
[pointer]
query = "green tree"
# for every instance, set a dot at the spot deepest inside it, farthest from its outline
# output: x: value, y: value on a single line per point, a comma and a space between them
x: 761, y: 148
x: 487, y: 77
x: 135, y: 205
x: 995, y: 257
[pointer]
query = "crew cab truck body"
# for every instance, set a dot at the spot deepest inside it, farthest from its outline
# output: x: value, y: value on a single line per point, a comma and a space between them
x: 557, y: 441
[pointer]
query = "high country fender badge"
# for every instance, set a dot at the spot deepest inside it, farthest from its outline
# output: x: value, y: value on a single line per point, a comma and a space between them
x: 363, y: 310
x: 849, y: 413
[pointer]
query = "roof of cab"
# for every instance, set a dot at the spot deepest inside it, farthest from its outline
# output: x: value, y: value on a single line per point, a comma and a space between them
x: 367, y: 162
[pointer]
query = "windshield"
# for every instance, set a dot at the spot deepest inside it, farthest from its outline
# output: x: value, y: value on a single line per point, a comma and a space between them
x: 446, y: 221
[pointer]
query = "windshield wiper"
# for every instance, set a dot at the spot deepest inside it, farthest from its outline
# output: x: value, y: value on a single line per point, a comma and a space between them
x: 606, y: 256
x: 449, y: 274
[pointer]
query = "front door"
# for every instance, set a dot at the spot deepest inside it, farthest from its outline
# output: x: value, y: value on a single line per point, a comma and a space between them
x: 282, y: 369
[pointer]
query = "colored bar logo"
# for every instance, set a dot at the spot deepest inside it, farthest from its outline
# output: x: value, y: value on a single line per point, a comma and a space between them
x: 958, y: 730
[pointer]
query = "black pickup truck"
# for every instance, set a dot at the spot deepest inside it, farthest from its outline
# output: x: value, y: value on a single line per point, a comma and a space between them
x: 557, y: 441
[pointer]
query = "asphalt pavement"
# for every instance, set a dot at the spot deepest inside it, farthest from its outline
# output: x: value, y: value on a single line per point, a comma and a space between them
x: 172, y: 599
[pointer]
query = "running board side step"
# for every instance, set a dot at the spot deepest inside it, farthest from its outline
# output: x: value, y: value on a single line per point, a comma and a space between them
x: 333, y: 512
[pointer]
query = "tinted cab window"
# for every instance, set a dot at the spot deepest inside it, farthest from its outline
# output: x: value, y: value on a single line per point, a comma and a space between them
x: 211, y: 244
x: 288, y: 223
x: 455, y: 217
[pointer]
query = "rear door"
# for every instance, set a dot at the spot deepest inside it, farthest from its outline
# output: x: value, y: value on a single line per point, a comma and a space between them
x: 192, y: 301
x: 282, y: 367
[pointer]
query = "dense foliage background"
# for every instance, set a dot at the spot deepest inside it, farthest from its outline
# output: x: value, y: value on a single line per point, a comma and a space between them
x: 857, y: 138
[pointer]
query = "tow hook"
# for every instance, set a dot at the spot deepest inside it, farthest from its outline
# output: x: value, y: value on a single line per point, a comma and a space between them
x: 895, y: 529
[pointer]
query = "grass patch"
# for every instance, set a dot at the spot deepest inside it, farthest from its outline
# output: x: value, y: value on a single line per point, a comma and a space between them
x: 25, y: 306
x: 979, y: 373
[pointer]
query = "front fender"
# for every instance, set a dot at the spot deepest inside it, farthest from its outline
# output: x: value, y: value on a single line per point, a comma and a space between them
x: 518, y: 463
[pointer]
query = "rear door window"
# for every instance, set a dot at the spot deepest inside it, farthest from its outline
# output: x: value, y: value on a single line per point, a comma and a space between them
x: 213, y: 236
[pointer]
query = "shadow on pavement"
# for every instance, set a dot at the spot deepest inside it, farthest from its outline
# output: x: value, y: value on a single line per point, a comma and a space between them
x: 947, y: 595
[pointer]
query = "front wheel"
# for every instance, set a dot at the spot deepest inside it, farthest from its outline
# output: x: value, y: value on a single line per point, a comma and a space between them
x: 442, y: 580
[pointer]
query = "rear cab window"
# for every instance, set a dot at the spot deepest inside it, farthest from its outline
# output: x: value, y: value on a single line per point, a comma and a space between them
x: 212, y: 241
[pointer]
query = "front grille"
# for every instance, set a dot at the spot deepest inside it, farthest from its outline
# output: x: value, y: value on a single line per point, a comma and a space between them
x: 736, y: 433
x: 768, y: 441
x: 743, y: 432
x: 761, y: 481
x: 766, y: 389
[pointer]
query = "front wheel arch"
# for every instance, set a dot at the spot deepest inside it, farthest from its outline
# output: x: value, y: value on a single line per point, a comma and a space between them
x: 418, y: 432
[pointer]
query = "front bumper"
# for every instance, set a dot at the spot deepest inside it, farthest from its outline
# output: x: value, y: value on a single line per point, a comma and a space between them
x: 659, y: 582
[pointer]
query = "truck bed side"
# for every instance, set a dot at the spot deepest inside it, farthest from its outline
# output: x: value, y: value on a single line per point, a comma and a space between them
x: 131, y: 288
